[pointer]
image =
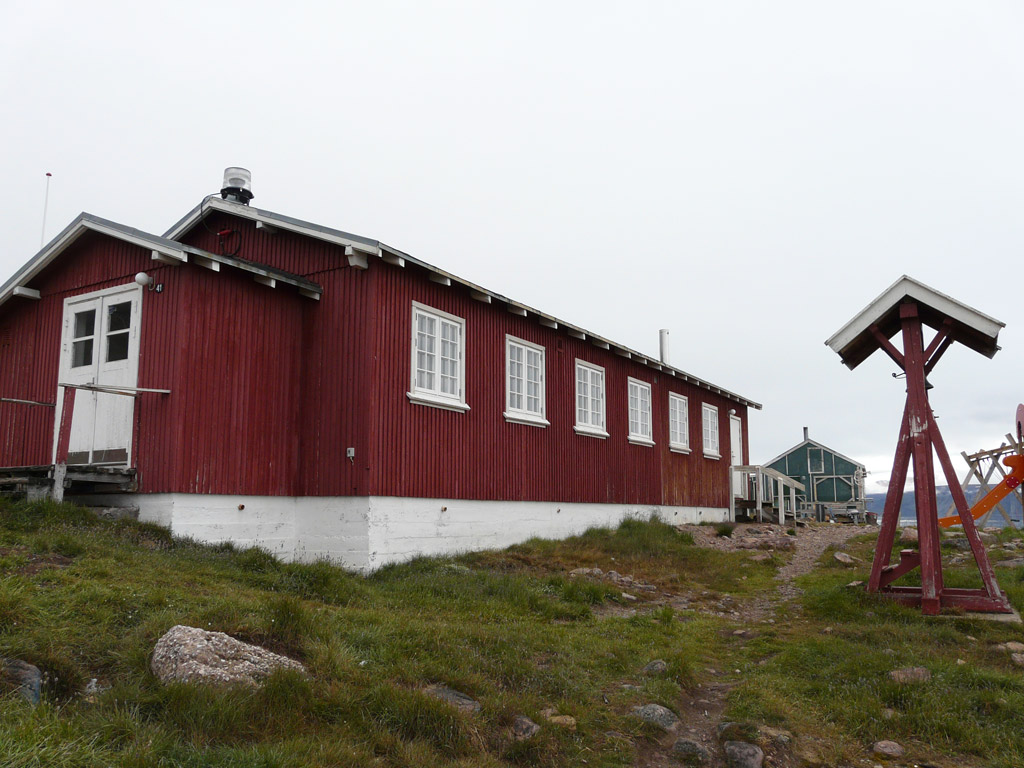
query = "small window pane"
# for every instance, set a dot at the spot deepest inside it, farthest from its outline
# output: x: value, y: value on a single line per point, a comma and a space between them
x: 119, y: 317
x: 81, y: 353
x: 85, y: 324
x: 117, y: 347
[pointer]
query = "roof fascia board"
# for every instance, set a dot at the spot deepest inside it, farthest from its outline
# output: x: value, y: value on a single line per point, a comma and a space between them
x: 908, y: 286
x: 816, y: 444
x: 280, y: 222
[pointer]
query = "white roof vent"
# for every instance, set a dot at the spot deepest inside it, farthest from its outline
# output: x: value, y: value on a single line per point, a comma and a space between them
x: 237, y: 185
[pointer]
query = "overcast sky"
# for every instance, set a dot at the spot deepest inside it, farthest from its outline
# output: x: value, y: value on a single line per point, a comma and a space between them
x: 748, y: 175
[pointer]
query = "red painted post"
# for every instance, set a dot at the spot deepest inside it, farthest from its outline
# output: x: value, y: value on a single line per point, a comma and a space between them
x: 918, y: 411
x: 893, y: 501
x: 988, y: 575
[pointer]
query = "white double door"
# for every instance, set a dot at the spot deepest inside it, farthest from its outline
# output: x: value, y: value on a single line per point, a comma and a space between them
x: 100, y: 346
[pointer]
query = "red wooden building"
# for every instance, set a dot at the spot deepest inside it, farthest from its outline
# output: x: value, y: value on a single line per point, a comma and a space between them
x: 256, y: 378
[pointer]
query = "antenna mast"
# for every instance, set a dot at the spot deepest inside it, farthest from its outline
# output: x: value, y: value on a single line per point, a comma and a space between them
x: 46, y: 203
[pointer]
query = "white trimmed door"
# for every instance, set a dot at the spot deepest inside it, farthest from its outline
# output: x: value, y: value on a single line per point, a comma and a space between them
x: 736, y: 454
x: 100, y: 345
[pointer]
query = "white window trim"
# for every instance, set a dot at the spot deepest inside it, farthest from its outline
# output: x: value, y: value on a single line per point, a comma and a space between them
x: 429, y: 397
x: 633, y: 437
x: 673, y: 445
x: 518, y: 415
x: 587, y: 429
x: 710, y: 454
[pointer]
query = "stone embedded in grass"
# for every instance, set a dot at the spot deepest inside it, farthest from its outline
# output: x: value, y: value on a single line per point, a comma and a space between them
x: 20, y: 676
x: 1018, y: 659
x: 911, y: 675
x: 657, y: 715
x: 595, y: 572
x: 691, y: 753
x: 844, y: 558
x: 192, y: 655
x: 1014, y: 647
x: 565, y: 721
x: 908, y: 535
x: 523, y: 728
x: 740, y: 754
x: 887, y: 749
x: 656, y: 667
x: 628, y: 597
x: 457, y: 699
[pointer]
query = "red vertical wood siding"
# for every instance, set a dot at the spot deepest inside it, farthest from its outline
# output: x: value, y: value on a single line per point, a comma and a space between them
x: 436, y: 453
x: 269, y: 388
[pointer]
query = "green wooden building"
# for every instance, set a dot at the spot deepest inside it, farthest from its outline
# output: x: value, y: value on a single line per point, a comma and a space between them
x: 833, y: 482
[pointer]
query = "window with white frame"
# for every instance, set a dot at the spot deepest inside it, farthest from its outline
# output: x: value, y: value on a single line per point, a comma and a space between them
x: 590, y: 399
x: 678, y: 423
x: 524, y: 382
x: 438, y: 359
x: 710, y: 418
x: 640, y: 412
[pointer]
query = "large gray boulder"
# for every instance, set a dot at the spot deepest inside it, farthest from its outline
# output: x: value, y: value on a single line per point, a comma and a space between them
x: 192, y: 655
x: 22, y: 677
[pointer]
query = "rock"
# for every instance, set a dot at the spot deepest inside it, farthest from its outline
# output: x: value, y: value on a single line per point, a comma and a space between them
x: 657, y: 715
x: 1016, y: 562
x: 888, y: 714
x: 596, y: 572
x: 908, y: 535
x: 459, y: 700
x: 887, y: 749
x: 656, y: 667
x: 760, y: 557
x: 1014, y: 647
x: 612, y: 576
x: 691, y: 753
x: 728, y: 731
x: 1018, y: 659
x: 827, y: 631
x: 191, y: 655
x: 564, y: 721
x: 20, y: 676
x: 855, y: 584
x: 911, y: 675
x: 628, y: 597
x: 740, y: 754
x: 524, y: 729
x: 844, y: 558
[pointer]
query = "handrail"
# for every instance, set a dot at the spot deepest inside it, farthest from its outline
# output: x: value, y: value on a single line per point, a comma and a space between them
x: 26, y: 402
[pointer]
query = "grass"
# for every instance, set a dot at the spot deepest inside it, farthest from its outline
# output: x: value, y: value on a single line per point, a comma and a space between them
x: 85, y: 599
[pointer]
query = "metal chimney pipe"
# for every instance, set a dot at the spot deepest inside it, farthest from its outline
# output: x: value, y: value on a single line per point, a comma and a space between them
x: 805, y: 434
x: 663, y: 345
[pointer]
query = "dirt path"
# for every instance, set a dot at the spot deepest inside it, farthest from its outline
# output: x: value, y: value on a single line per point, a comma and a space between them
x: 701, y: 711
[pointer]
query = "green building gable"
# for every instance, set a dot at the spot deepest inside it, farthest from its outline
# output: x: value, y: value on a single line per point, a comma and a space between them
x: 829, y: 477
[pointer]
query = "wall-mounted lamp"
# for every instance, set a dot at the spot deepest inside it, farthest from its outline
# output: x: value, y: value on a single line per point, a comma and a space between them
x: 732, y: 411
x: 146, y: 281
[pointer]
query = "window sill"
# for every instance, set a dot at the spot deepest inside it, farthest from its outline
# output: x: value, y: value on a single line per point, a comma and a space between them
x: 526, y: 418
x: 678, y: 449
x: 637, y: 440
x: 590, y: 432
x: 420, y: 398
x: 715, y: 456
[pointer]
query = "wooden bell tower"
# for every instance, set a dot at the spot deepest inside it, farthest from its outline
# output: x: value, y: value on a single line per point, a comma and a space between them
x: 904, y: 309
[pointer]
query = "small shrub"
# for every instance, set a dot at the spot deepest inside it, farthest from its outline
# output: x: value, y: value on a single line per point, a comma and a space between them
x: 724, y: 529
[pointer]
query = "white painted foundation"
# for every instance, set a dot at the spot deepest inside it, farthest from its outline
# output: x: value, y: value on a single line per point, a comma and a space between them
x: 364, y: 533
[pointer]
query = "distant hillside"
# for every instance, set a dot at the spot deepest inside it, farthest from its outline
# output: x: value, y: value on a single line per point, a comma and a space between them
x: 876, y: 503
